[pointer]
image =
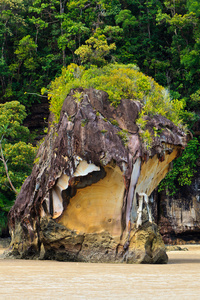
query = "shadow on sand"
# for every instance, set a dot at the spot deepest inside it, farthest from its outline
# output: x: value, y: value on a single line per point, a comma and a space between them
x: 184, y: 261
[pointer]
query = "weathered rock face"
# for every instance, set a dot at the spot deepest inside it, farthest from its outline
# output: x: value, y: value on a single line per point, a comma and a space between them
x: 80, y: 202
x: 38, y: 113
x: 179, y: 216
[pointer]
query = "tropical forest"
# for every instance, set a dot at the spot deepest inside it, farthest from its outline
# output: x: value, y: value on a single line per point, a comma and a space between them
x: 148, y: 50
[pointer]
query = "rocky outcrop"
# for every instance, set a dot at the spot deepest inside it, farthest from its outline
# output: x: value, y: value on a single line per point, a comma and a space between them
x: 80, y: 202
x: 179, y: 216
x: 39, y: 112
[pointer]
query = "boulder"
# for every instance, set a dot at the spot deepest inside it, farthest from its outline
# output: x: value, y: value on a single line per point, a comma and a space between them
x: 80, y: 202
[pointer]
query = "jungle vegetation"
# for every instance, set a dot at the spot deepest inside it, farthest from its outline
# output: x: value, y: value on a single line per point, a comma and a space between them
x: 46, y: 43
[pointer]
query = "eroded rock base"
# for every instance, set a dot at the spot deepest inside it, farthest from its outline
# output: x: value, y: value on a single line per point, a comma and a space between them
x: 146, y: 246
x: 56, y: 242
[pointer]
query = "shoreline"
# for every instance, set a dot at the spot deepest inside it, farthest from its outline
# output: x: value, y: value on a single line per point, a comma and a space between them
x: 185, y: 247
x: 49, y: 279
x: 173, y: 251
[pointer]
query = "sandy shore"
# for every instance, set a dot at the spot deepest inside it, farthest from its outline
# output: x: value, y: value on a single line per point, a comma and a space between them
x: 34, y: 279
x: 186, y: 250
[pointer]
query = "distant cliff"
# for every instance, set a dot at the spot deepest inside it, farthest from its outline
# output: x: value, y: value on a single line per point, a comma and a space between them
x: 179, y: 216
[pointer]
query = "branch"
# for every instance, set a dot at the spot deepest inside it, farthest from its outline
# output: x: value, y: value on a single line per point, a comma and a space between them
x: 6, y: 169
x: 36, y: 94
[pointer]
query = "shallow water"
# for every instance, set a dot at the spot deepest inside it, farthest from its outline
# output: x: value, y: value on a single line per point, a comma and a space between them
x: 25, y: 279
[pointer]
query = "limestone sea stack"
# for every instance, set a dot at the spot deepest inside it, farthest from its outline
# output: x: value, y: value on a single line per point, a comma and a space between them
x: 89, y: 195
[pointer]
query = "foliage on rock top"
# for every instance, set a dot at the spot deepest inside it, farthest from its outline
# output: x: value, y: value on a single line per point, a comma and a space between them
x: 119, y: 81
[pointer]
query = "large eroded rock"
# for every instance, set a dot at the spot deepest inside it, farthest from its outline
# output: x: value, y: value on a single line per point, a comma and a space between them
x: 79, y: 203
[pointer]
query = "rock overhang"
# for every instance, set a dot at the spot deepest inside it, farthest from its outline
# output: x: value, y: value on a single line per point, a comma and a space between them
x: 88, y: 134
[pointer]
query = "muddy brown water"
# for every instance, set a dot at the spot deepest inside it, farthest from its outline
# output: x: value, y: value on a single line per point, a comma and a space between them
x: 26, y: 279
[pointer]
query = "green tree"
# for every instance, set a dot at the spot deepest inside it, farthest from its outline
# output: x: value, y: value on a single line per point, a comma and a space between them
x: 183, y: 170
x: 95, y: 50
x: 16, y: 155
x: 25, y: 53
x: 182, y: 26
x: 72, y: 33
x: 193, y: 6
x: 11, y: 13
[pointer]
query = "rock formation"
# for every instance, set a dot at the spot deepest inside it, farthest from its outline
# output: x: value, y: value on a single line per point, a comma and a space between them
x: 80, y: 203
x: 39, y: 112
x: 179, y: 216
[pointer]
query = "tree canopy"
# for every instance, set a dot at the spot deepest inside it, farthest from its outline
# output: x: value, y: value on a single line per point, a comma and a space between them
x: 160, y: 36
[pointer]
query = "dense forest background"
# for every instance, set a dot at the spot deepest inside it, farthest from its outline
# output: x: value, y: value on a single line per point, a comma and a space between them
x: 38, y: 38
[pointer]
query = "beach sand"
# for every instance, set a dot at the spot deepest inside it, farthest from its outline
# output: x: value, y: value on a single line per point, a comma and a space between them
x: 36, y: 279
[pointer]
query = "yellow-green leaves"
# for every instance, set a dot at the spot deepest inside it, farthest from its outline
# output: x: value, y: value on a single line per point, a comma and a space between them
x: 124, y: 135
x: 25, y: 53
x: 119, y: 81
x: 95, y: 50
x: 12, y: 115
x: 20, y: 155
x: 61, y: 86
x: 78, y: 97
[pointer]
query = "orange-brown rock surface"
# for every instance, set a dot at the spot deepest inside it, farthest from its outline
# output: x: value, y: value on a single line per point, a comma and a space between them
x: 80, y: 202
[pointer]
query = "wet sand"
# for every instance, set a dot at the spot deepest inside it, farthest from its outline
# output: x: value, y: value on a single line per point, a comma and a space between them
x: 179, y: 279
